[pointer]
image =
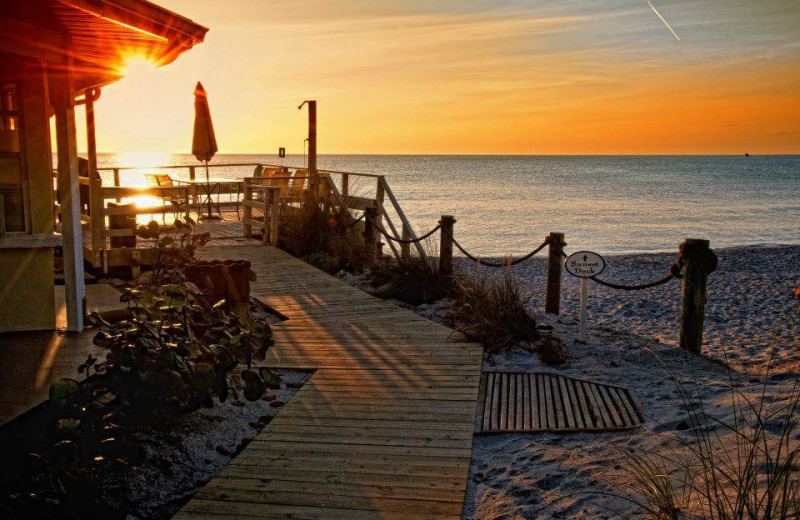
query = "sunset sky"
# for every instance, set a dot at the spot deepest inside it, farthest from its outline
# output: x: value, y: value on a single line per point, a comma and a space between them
x: 475, y: 77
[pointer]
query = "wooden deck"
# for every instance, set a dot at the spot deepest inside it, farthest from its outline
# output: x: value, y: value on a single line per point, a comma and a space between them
x: 383, y: 430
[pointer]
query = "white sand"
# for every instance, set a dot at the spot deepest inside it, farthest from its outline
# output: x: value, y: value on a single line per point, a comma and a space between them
x: 750, y: 316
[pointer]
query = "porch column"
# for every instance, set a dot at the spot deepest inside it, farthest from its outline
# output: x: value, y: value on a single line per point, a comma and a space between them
x: 95, y: 185
x: 63, y: 100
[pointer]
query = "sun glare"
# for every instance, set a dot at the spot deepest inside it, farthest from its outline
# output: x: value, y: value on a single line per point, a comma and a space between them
x: 144, y: 162
x: 137, y: 65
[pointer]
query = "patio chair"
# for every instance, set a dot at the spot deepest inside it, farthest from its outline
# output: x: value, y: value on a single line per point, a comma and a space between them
x: 297, y: 186
x: 174, y: 197
x: 281, y: 179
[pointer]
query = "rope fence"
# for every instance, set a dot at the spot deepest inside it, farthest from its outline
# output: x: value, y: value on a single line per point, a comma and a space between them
x: 694, y: 263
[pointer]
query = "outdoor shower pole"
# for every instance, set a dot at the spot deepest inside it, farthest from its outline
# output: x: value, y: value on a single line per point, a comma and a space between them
x: 313, y: 176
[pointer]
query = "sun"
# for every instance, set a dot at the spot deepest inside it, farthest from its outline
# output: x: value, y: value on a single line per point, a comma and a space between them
x: 137, y: 65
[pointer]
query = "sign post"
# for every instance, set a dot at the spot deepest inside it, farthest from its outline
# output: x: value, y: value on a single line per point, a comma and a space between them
x: 584, y: 265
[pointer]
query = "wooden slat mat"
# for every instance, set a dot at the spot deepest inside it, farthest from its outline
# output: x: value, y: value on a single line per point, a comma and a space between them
x: 544, y: 402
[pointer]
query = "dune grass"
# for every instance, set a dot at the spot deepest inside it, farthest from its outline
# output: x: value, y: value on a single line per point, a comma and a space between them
x: 744, y: 467
x: 493, y: 310
x: 325, y: 238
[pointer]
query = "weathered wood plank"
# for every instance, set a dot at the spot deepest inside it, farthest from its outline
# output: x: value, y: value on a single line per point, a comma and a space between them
x: 382, y: 430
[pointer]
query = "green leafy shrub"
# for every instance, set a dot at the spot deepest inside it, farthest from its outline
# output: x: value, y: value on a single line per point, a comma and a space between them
x: 176, y: 245
x: 176, y: 350
x: 493, y: 311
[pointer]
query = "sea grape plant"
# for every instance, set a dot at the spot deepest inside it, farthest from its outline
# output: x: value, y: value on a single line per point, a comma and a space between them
x: 175, y: 350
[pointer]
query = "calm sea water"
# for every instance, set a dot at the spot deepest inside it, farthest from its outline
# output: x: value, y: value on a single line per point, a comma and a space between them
x: 507, y: 204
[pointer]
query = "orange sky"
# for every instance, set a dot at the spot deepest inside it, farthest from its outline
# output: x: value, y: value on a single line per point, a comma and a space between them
x: 475, y: 76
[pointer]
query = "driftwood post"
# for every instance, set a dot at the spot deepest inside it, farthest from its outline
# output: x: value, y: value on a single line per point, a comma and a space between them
x: 446, y: 245
x: 371, y: 235
x: 698, y: 262
x: 555, y: 260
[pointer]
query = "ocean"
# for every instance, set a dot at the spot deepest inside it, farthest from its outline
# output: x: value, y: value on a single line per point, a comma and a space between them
x: 609, y: 204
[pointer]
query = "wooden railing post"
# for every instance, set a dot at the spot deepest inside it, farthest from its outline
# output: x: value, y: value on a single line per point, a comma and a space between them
x: 446, y: 245
x: 696, y: 268
x: 274, y: 215
x: 248, y: 209
x: 325, y: 191
x: 98, y: 221
x: 371, y: 235
x: 555, y: 261
x: 116, y: 181
x: 345, y: 185
x: 405, y: 249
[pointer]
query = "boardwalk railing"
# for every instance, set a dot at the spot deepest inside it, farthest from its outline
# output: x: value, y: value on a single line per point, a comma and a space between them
x: 261, y: 203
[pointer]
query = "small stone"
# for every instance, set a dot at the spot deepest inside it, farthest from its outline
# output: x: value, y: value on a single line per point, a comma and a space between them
x: 256, y: 424
x: 269, y: 397
x: 276, y: 403
x: 222, y: 450
x: 237, y: 402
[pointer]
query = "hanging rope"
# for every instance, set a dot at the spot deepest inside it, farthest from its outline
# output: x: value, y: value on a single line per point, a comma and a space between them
x: 637, y: 287
x: 507, y: 263
x: 411, y: 240
x: 709, y: 264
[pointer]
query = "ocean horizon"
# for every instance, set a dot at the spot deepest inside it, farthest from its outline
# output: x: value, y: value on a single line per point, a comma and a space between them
x: 506, y: 204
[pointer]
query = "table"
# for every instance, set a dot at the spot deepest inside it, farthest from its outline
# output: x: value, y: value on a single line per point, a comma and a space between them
x: 207, y: 188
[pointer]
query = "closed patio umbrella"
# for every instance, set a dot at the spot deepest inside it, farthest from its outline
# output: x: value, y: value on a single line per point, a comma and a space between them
x: 204, y: 142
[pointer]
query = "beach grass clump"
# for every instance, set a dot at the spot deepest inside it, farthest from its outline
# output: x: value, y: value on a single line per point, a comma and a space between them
x: 745, y: 467
x: 324, y: 237
x: 413, y: 280
x: 493, y: 310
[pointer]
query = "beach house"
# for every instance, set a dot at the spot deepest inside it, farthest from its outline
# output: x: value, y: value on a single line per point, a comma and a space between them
x: 54, y: 56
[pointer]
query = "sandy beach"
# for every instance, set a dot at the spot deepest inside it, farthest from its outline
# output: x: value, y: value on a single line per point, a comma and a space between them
x: 751, y: 331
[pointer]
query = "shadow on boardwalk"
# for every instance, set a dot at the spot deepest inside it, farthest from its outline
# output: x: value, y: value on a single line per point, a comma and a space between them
x: 382, y: 430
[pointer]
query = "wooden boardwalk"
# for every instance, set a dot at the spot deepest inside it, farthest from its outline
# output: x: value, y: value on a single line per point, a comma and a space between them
x: 383, y: 430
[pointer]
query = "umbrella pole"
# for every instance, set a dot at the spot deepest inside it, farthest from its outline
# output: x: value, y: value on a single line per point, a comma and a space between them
x: 208, y: 191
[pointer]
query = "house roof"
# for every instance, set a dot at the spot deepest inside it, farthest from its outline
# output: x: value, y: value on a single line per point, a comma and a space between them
x: 105, y: 34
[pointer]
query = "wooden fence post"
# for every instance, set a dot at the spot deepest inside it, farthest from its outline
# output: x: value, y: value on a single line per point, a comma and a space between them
x: 405, y: 249
x: 696, y: 268
x: 555, y: 260
x: 371, y: 235
x: 446, y: 245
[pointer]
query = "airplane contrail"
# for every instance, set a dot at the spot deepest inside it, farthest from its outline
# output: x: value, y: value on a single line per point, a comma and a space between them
x: 665, y: 22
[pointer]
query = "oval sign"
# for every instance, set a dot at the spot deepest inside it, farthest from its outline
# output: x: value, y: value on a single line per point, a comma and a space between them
x: 584, y: 264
